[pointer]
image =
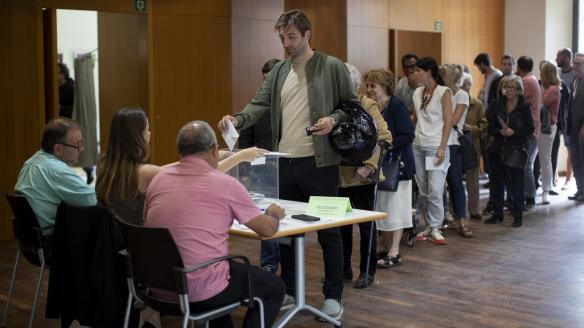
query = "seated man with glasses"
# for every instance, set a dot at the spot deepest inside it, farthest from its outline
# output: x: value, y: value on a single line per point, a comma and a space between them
x: 46, y: 179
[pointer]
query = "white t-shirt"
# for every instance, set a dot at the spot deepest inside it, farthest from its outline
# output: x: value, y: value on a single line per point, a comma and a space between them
x: 461, y: 97
x: 430, y: 119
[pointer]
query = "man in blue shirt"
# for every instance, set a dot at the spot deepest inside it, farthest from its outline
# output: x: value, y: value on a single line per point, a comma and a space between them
x: 46, y: 179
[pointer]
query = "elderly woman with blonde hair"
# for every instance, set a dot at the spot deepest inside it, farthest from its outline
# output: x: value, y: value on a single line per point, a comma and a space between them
x: 357, y: 184
x: 511, y: 124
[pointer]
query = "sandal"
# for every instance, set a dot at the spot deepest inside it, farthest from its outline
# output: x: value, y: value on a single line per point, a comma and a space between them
x: 388, y: 262
x: 465, y: 232
x: 381, y: 255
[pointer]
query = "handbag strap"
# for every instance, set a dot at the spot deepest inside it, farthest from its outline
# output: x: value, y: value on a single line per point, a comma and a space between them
x: 460, y: 134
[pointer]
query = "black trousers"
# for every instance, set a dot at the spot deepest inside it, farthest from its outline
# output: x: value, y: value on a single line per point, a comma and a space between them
x: 577, y: 155
x: 362, y: 197
x: 555, y: 151
x: 536, y: 171
x: 266, y: 286
x: 300, y: 179
x: 505, y: 177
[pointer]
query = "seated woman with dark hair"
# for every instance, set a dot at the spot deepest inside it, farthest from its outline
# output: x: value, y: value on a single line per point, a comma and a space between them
x: 123, y: 175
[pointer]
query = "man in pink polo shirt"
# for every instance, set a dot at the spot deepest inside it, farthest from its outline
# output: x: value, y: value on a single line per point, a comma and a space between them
x: 197, y: 204
x: 532, y: 94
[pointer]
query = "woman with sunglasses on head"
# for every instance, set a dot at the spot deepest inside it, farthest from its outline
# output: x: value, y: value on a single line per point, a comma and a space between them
x: 452, y: 75
x: 432, y: 116
x: 510, y: 123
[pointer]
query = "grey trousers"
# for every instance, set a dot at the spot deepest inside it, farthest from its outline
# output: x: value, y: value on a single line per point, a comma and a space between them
x: 431, y: 185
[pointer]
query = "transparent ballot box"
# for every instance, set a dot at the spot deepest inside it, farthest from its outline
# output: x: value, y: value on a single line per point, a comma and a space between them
x: 260, y: 177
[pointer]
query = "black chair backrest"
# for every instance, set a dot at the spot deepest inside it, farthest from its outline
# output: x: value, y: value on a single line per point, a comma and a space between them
x: 24, y: 222
x: 153, y: 254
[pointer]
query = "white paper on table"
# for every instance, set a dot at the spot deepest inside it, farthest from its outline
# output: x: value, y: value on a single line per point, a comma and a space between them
x: 239, y: 226
x: 431, y: 166
x: 275, y: 153
x: 230, y: 135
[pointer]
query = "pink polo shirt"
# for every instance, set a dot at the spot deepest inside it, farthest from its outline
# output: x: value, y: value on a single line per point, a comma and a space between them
x: 532, y: 94
x: 197, y: 204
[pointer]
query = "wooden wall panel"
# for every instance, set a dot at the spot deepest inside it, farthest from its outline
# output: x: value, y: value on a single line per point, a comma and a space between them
x: 472, y: 27
x: 254, y: 42
x: 98, y: 5
x: 367, y: 34
x: 469, y: 27
x: 329, y: 24
x: 123, y: 65
x: 423, y: 44
x: 22, y: 111
x: 415, y: 15
x: 50, y: 60
x: 190, y: 65
x: 216, y: 8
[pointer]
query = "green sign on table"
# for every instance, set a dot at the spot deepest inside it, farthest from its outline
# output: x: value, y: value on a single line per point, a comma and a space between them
x: 328, y: 206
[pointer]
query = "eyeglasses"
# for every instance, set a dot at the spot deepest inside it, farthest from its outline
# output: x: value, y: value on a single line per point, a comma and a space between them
x: 78, y: 147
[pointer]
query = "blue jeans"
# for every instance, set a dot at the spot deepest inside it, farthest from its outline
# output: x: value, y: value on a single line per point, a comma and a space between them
x: 269, y: 254
x: 455, y: 186
x: 431, y: 185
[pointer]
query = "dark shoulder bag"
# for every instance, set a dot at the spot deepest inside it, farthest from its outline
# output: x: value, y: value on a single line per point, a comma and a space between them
x: 546, y: 120
x: 469, y: 155
x: 391, y: 170
x: 513, y: 156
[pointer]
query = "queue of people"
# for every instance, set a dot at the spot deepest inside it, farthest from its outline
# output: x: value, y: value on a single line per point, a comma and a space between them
x: 418, y: 126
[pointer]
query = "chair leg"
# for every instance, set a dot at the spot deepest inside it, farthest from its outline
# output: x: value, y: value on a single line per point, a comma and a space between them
x: 261, y: 308
x: 11, y: 288
x: 129, y: 304
x: 38, y: 288
x: 185, y: 321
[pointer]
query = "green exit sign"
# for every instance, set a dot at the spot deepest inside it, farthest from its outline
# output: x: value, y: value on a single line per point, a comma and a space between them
x: 140, y: 5
x: 437, y: 26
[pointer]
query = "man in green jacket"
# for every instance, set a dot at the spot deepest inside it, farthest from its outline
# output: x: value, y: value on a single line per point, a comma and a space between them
x: 302, y: 93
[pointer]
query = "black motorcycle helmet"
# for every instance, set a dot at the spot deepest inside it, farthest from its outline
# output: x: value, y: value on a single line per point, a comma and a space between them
x: 355, y: 139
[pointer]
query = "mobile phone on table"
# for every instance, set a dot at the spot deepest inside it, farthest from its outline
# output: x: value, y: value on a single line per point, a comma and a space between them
x: 305, y: 217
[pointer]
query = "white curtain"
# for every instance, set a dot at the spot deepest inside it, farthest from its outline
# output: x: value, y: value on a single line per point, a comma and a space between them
x: 84, y: 109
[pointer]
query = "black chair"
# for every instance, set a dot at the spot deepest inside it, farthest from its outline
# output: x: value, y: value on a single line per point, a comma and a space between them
x: 87, y: 282
x: 153, y: 261
x: 28, y: 234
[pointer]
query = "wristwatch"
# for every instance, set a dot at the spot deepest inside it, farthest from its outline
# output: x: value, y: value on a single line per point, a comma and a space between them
x: 333, y: 119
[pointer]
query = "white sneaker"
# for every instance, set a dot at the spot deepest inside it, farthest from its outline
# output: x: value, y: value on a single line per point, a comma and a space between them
x: 424, y: 234
x: 448, y: 217
x: 332, y: 308
x: 567, y: 185
x: 545, y: 198
x: 288, y: 302
x: 436, y: 237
